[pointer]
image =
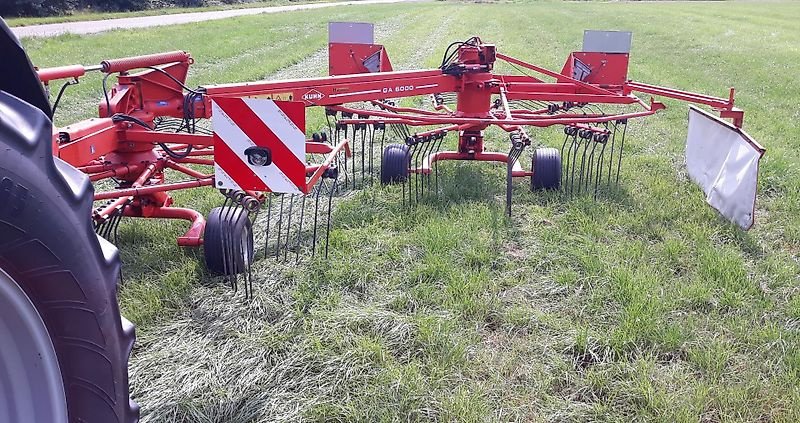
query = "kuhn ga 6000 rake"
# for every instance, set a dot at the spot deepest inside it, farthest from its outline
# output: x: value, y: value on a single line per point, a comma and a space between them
x: 150, y: 126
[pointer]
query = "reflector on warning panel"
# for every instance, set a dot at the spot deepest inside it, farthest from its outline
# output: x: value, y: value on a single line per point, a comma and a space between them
x: 723, y: 160
x: 259, y: 145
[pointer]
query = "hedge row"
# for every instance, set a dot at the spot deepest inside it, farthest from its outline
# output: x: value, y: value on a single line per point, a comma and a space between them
x: 62, y: 7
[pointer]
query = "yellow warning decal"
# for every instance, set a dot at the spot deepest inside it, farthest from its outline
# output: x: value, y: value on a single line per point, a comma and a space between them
x: 275, y: 96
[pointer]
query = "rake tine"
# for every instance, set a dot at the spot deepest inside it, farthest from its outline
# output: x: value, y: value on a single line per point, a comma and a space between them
x: 436, y: 166
x: 404, y: 194
x: 583, y: 163
x: 353, y: 160
x: 421, y: 176
x: 600, y: 166
x: 288, y: 226
x: 300, y: 230
x: 509, y: 167
x: 115, y: 228
x: 234, y: 276
x: 316, y: 215
x: 590, y: 164
x: 280, y: 230
x: 371, y: 130
x: 328, y: 223
x: 566, y: 162
x: 226, y: 245
x: 363, y: 147
x: 516, y: 150
x: 269, y: 218
x: 415, y: 159
x: 249, y: 286
x: 411, y: 178
x: 611, y: 158
x: 100, y: 229
x: 621, y: 147
x: 575, y: 146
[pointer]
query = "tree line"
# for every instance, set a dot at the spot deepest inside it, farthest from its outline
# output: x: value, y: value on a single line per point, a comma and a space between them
x: 10, y: 8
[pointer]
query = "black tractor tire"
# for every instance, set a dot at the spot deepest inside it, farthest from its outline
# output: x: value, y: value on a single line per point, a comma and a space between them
x: 546, y: 166
x: 231, y: 228
x: 49, y: 249
x: 394, y: 164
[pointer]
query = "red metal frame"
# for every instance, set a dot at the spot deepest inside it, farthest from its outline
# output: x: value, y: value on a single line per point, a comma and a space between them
x: 121, y: 149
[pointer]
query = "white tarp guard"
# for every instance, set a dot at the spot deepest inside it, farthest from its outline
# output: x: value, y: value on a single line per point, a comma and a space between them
x: 723, y: 160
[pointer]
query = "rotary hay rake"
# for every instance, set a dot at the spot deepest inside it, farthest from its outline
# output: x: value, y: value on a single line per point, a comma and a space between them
x: 151, y: 126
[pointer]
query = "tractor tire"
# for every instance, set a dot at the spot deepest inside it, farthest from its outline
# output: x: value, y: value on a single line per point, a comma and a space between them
x: 394, y: 164
x: 64, y: 347
x: 546, y: 165
x: 229, y: 227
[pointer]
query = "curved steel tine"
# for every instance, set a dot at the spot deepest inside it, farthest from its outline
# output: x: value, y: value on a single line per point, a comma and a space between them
x: 354, y: 157
x: 363, y: 153
x: 621, y: 147
x: 590, y: 164
x: 565, y: 163
x: 288, y: 226
x: 249, y: 279
x: 600, y: 165
x: 269, y: 218
x: 583, y: 163
x: 611, y: 154
x: 316, y: 216
x: 300, y: 230
x: 575, y: 146
x: 436, y: 166
x: 510, y: 160
x: 425, y: 147
x: 280, y: 228
x: 328, y: 223
x: 371, y: 130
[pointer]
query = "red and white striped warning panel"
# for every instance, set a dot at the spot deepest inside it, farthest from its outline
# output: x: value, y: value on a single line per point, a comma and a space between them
x: 259, y: 144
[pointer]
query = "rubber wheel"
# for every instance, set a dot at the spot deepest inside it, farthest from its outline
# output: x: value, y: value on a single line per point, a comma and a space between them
x: 394, y: 164
x: 546, y: 165
x: 231, y: 228
x: 51, y: 257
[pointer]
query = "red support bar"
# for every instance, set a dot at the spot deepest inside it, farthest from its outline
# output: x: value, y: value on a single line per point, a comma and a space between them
x: 716, y: 102
x: 137, y: 62
x: 143, y: 135
x: 192, y: 237
x: 556, y: 75
x: 48, y: 74
x: 152, y: 189
x: 425, y: 168
x: 327, y: 163
x: 186, y: 171
x: 121, y: 170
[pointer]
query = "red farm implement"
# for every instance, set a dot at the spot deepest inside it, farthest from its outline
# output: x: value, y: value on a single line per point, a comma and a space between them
x: 256, y: 153
x: 65, y: 347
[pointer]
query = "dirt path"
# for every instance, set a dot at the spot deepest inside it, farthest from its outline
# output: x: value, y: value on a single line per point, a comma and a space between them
x: 91, y: 27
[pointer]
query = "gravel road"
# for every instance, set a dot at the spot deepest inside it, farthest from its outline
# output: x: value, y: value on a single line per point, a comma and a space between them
x: 91, y: 27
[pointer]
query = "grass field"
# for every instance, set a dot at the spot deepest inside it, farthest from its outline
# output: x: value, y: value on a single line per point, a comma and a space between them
x: 88, y: 15
x: 643, y: 306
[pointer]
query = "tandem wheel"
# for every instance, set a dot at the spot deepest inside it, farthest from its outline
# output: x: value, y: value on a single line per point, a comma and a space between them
x: 546, y: 165
x: 394, y: 164
x: 228, y: 241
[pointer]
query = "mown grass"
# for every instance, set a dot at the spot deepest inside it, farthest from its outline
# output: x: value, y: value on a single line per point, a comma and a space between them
x: 89, y: 15
x: 643, y: 305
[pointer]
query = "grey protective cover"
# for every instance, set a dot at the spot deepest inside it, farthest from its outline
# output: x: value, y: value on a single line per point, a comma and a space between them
x: 351, y: 32
x: 607, y: 41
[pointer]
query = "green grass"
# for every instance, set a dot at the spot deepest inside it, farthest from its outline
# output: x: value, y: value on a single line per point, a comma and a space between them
x: 88, y: 15
x: 642, y: 306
